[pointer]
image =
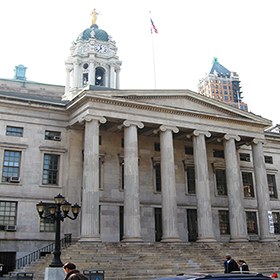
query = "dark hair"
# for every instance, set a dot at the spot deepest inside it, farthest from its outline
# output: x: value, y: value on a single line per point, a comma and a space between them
x: 70, y: 266
x: 241, y: 261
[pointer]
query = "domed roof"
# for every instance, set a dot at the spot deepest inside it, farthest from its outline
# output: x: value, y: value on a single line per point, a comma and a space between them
x: 100, y: 34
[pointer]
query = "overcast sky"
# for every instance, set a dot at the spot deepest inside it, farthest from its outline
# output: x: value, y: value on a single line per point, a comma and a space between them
x: 242, y: 34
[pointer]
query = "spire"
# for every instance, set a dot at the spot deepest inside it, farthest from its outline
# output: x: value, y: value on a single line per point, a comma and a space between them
x: 94, y: 16
x: 215, y: 60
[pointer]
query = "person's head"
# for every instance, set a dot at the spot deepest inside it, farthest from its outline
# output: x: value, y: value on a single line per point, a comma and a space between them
x: 240, y: 262
x: 69, y: 267
x: 228, y: 256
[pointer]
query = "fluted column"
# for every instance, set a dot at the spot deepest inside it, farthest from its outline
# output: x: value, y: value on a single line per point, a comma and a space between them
x: 132, y: 227
x: 90, y: 198
x: 168, y: 185
x: 263, y: 198
x: 237, y: 218
x: 204, y: 210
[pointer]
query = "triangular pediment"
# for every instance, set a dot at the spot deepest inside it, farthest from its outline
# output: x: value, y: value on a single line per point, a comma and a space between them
x: 192, y: 102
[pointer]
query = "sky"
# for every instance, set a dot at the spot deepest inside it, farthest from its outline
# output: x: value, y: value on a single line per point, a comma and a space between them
x: 242, y: 34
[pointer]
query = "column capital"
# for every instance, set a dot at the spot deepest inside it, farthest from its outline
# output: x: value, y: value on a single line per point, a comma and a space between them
x: 164, y: 128
x: 201, y: 132
x: 259, y: 141
x: 231, y: 136
x: 89, y: 118
x: 128, y: 123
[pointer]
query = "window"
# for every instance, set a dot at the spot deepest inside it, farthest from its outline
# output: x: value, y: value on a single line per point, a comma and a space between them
x: 252, y: 225
x: 121, y: 161
x: 8, y: 211
x: 157, y: 175
x: 218, y: 153
x: 101, y: 169
x: 188, y: 150
x: 50, y: 171
x: 157, y: 146
x: 14, y: 131
x: 268, y: 159
x: 47, y: 224
x: 11, y: 166
x: 224, y: 222
x: 122, y: 143
x: 276, y: 221
x: 53, y: 135
x: 225, y: 92
x: 272, y: 186
x: 244, y: 157
x: 226, y: 98
x: 224, y: 87
x: 224, y: 82
x: 221, y: 182
x: 248, y: 187
x: 190, y: 179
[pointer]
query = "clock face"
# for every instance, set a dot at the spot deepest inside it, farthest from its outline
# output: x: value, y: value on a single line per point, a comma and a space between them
x: 101, y: 48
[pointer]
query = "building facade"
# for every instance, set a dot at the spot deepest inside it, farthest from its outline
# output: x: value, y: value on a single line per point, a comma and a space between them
x: 145, y: 165
x: 223, y: 85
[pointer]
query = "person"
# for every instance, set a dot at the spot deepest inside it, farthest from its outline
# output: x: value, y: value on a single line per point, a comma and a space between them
x: 72, y: 273
x: 230, y: 264
x: 243, y: 266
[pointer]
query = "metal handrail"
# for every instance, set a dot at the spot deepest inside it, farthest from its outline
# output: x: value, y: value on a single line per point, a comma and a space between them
x: 25, y: 260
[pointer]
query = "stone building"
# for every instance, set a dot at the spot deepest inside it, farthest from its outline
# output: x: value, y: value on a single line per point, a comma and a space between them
x: 145, y: 165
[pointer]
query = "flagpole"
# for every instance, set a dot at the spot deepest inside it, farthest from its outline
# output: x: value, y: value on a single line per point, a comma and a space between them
x: 154, y: 65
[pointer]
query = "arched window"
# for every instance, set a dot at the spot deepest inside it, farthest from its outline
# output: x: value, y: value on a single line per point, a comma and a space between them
x: 99, y: 76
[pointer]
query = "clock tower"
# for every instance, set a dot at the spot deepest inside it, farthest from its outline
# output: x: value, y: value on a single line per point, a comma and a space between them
x: 93, y: 62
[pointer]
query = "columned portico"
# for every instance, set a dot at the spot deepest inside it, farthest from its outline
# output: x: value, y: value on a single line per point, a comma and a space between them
x: 262, y: 191
x: 204, y: 211
x: 90, y: 196
x: 168, y: 184
x: 235, y: 196
x: 132, y: 228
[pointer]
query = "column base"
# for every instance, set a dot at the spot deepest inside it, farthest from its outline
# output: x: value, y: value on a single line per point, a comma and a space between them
x: 132, y: 239
x: 54, y: 273
x: 171, y: 239
x: 238, y: 239
x: 89, y: 239
x: 206, y: 239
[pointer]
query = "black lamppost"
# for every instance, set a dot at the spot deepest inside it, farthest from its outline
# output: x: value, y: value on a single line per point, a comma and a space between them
x: 58, y: 213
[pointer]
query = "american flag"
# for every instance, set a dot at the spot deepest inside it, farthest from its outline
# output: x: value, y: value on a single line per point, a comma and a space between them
x: 154, y: 27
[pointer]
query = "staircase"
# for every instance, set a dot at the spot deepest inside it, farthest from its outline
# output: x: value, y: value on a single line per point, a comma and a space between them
x: 154, y: 260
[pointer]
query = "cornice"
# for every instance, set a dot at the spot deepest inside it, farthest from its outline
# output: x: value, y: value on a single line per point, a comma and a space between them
x: 127, y: 101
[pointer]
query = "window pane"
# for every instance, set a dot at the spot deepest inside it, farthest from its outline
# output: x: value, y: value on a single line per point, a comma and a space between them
x: 272, y: 186
x: 50, y: 172
x: 11, y: 165
x: 158, y: 177
x: 14, y: 131
x: 224, y: 222
x: 47, y: 224
x: 276, y: 222
x: 221, y: 182
x: 248, y: 184
x: 8, y: 213
x: 252, y: 226
x: 191, y: 179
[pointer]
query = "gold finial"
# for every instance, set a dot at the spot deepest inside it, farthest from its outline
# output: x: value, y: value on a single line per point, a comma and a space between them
x: 94, y: 16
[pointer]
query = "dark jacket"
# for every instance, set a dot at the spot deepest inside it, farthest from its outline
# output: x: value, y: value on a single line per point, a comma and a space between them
x: 75, y: 275
x: 230, y: 265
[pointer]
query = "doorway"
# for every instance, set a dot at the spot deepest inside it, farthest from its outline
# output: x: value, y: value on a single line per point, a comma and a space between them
x: 192, y: 225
